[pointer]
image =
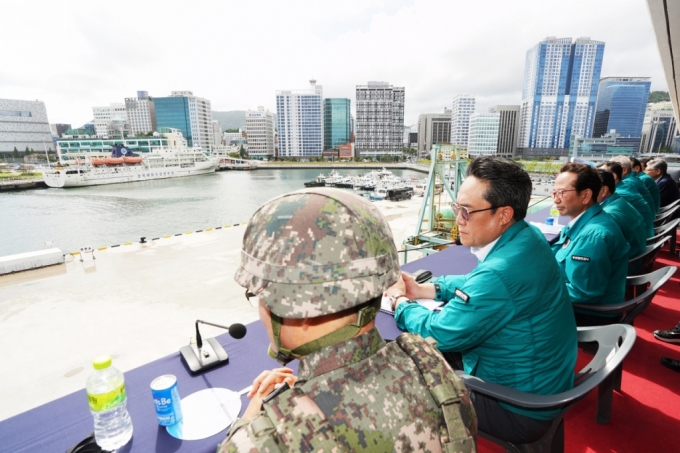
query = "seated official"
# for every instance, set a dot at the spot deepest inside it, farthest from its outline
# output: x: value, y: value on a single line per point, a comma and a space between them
x: 510, y: 318
x: 591, y: 251
x: 632, y: 196
x: 668, y: 189
x: 648, y: 181
x: 626, y: 217
x: 316, y: 263
x: 628, y: 179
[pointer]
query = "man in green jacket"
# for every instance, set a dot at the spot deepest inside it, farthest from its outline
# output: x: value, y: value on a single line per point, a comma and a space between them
x: 591, y: 251
x: 626, y: 217
x: 648, y: 181
x: 632, y: 196
x: 510, y: 318
x: 629, y: 179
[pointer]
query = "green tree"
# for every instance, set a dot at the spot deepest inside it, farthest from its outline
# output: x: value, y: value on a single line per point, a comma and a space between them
x: 666, y: 150
x: 243, y: 153
x: 659, y: 96
x: 231, y: 130
x: 15, y: 153
x: 235, y: 155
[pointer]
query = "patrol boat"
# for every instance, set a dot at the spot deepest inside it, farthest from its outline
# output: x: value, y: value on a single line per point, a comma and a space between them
x: 124, y: 166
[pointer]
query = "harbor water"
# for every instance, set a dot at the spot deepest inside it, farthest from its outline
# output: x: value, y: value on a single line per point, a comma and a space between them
x: 113, y: 214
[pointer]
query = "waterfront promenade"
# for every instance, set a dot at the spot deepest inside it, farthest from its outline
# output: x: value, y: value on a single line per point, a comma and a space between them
x: 137, y: 302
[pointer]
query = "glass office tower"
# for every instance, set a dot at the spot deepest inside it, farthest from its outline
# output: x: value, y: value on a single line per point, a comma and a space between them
x: 560, y: 92
x: 336, y: 122
x: 173, y: 112
x: 621, y: 104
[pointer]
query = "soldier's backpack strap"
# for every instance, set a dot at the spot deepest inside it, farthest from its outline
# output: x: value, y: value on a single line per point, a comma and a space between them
x: 448, y: 391
x: 293, y: 422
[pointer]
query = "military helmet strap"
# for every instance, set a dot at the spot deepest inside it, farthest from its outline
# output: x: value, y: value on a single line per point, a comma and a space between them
x: 365, y: 315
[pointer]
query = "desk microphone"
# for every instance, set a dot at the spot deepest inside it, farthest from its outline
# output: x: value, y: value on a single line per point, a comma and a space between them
x: 202, y: 355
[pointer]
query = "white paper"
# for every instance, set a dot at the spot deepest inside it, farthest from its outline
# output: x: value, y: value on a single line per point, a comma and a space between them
x: 549, y: 229
x: 206, y: 413
x: 430, y: 304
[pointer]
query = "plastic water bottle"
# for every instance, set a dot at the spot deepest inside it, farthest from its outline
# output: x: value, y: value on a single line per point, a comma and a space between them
x: 555, y: 214
x: 107, y: 398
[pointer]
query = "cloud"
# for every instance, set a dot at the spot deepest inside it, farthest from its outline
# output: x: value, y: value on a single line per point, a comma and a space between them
x: 76, y: 55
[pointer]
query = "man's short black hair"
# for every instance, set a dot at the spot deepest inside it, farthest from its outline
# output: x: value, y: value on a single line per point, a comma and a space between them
x: 509, y: 183
x: 607, y: 179
x: 615, y: 168
x: 586, y: 177
x: 635, y: 163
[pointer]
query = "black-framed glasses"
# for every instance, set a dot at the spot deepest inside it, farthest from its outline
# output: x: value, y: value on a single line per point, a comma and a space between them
x: 253, y: 299
x: 464, y: 213
x: 560, y: 193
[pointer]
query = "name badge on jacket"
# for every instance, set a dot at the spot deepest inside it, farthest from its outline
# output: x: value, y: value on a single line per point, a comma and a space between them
x: 585, y: 259
x: 461, y: 295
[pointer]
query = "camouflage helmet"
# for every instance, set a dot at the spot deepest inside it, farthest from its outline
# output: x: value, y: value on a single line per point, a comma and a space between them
x: 317, y: 251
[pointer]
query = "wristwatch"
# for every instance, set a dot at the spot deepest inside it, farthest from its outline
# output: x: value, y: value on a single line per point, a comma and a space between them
x: 393, y: 300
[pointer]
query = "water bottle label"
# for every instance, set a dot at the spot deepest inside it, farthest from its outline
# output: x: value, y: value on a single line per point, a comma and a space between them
x: 105, y: 401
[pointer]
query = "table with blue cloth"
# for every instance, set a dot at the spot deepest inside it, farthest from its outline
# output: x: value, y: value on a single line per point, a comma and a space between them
x: 62, y: 423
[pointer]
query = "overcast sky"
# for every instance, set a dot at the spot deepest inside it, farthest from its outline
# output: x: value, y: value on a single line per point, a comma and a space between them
x: 74, y: 55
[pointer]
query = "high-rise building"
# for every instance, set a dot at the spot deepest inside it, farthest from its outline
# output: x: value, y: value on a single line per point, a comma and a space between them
x: 508, y: 129
x: 141, y: 113
x: 104, y: 116
x: 433, y: 128
x: 380, y: 119
x: 621, y: 105
x: 336, y: 122
x: 300, y: 121
x: 217, y: 133
x: 24, y: 124
x: 463, y: 107
x: 260, y: 130
x: 560, y: 91
x: 483, y: 134
x: 659, y: 128
x: 188, y: 113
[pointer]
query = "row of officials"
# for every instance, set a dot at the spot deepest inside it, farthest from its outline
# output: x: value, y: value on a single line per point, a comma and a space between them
x: 317, y: 263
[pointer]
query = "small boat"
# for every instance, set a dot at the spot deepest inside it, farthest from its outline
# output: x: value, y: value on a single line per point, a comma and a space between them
x: 319, y: 181
x: 113, y: 160
x: 132, y: 160
x: 97, y: 162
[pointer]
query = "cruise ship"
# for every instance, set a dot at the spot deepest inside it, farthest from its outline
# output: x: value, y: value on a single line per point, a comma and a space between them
x: 94, y: 161
x: 124, y: 166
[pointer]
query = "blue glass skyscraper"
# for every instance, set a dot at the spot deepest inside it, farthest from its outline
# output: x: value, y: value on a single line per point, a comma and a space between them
x: 173, y: 112
x: 336, y: 122
x: 560, y: 91
x: 621, y: 105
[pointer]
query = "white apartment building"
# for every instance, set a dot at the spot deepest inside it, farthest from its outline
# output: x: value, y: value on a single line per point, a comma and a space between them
x: 379, y: 125
x: 217, y: 133
x: 483, y: 134
x: 260, y: 130
x: 24, y: 124
x: 463, y: 107
x: 659, y: 127
x: 508, y: 129
x: 141, y: 113
x: 103, y: 116
x: 300, y: 121
x: 200, y: 116
x: 228, y: 137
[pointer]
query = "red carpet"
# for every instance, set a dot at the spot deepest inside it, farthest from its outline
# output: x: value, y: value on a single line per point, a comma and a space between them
x: 646, y: 414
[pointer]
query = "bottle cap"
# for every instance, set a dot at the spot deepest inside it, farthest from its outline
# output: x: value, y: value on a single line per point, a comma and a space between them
x: 101, y: 362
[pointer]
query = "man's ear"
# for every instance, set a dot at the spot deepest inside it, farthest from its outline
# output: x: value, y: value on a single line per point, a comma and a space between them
x: 507, y: 213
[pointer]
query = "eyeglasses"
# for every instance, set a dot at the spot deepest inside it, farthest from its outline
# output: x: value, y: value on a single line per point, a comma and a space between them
x: 464, y: 213
x: 253, y: 299
x: 560, y: 193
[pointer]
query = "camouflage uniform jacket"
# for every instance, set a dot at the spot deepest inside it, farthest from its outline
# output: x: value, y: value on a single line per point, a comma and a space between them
x: 372, y: 395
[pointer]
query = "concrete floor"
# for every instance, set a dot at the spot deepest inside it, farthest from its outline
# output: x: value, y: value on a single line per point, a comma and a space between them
x: 136, y: 303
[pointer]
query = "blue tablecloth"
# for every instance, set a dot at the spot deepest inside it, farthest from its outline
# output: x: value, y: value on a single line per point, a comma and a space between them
x: 60, y: 424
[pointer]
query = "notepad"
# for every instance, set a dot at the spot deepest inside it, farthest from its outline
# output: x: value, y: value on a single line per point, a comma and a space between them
x: 430, y: 304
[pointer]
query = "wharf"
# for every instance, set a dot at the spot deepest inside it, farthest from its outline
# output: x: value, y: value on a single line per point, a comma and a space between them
x: 22, y: 184
x: 345, y: 166
x: 136, y: 302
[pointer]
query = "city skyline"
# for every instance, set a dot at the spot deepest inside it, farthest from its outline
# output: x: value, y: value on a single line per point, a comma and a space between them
x: 79, y: 64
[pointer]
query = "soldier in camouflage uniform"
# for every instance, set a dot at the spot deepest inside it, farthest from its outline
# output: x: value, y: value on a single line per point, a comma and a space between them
x: 317, y: 261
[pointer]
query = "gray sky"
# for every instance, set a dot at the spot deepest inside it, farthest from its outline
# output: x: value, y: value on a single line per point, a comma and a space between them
x: 74, y: 55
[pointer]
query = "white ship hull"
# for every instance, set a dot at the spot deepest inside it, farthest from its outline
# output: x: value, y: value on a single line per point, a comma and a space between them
x: 94, y: 176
